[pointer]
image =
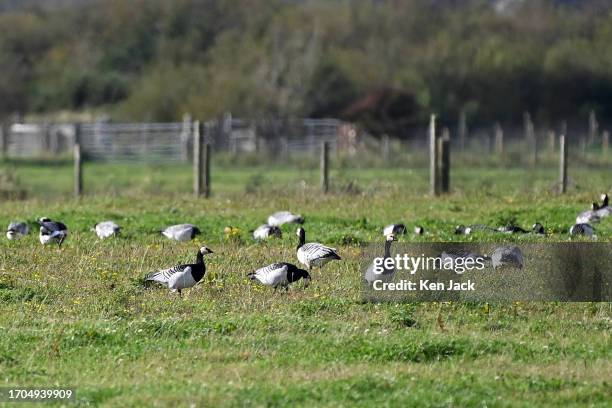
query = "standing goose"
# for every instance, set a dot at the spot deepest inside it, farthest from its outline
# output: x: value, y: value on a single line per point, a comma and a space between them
x: 279, y: 274
x: 313, y: 253
x: 106, y: 229
x: 284, y: 217
x: 182, y: 276
x: 387, y: 274
x: 52, y: 231
x: 17, y: 230
x: 394, y: 229
x: 266, y: 231
x: 181, y: 232
x: 590, y: 216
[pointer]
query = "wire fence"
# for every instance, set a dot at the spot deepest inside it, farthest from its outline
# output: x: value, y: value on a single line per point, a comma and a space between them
x: 173, y: 141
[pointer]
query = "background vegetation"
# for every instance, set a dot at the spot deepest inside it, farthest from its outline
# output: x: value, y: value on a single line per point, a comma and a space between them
x: 155, y: 59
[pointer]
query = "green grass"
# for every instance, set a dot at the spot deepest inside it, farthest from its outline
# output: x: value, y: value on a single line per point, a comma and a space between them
x: 80, y: 317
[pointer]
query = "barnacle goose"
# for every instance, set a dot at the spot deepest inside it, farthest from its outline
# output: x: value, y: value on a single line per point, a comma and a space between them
x: 590, y: 216
x: 17, y: 230
x: 511, y: 229
x: 266, y: 231
x: 604, y: 210
x: 106, y: 229
x: 279, y: 274
x: 52, y: 231
x: 463, y: 230
x: 395, y: 229
x: 181, y: 232
x: 182, y: 276
x: 507, y: 255
x: 284, y: 217
x: 538, y: 228
x: 313, y: 253
x: 387, y: 274
x: 582, y: 229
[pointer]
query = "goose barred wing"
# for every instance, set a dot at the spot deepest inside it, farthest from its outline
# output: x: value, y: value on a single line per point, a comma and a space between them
x: 53, y: 226
x: 272, y: 275
x: 165, y: 275
x: 315, y: 250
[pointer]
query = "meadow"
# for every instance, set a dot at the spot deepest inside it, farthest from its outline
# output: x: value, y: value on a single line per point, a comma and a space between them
x: 81, y: 317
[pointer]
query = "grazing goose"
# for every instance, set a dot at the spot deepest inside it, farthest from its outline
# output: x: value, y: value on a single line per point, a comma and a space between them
x: 313, y: 253
x: 181, y: 232
x: 418, y: 230
x: 184, y: 276
x: 280, y: 274
x: 266, y: 231
x: 284, y: 217
x: 17, y: 230
x: 52, y: 231
x: 590, y: 216
x: 604, y: 210
x: 582, y: 229
x: 394, y: 229
x: 511, y: 229
x: 538, y: 228
x: 106, y: 229
x: 387, y: 274
x: 507, y: 255
x: 463, y: 230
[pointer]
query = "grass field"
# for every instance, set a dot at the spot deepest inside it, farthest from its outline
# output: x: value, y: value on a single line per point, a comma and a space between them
x: 81, y: 318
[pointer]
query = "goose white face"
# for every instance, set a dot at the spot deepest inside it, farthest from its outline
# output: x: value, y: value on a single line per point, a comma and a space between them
x: 391, y: 237
x: 299, y: 231
x: 205, y: 250
x: 44, y: 219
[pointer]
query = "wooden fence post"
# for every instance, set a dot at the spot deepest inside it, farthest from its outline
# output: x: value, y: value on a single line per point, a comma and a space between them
x: 4, y: 139
x: 207, y: 158
x: 605, y: 143
x: 444, y: 165
x: 434, y: 184
x: 563, y: 163
x: 186, y: 130
x: 324, y: 167
x: 197, y: 159
x: 499, y: 139
x: 78, y: 162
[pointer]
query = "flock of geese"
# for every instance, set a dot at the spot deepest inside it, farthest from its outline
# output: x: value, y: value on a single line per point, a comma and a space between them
x: 179, y: 277
x: 309, y: 254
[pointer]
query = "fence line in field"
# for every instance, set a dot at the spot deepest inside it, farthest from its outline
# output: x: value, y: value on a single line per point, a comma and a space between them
x: 169, y: 142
